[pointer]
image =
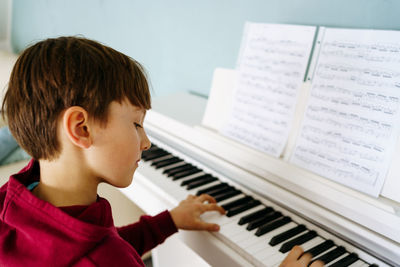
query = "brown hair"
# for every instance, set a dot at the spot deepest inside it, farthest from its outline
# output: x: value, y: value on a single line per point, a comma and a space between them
x: 58, y: 73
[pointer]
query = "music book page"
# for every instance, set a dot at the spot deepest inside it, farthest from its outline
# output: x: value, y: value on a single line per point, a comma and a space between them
x: 271, y: 69
x: 351, y: 123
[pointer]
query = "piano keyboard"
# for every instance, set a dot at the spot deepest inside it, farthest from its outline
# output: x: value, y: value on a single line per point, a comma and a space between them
x: 259, y: 230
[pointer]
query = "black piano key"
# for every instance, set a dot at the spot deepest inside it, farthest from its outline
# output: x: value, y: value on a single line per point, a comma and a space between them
x: 255, y: 215
x: 183, y: 174
x: 297, y: 241
x: 331, y: 255
x: 320, y: 248
x: 266, y: 228
x: 166, y: 162
x: 346, y: 261
x: 195, y: 179
x: 150, y: 150
x: 237, y: 202
x: 263, y: 220
x: 179, y: 168
x: 213, y: 188
x: 227, y: 195
x: 222, y: 191
x: 374, y: 265
x: 201, y: 182
x: 155, y: 154
x: 287, y: 234
x: 236, y: 210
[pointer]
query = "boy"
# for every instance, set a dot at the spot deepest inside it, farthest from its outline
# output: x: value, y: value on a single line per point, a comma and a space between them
x: 77, y: 107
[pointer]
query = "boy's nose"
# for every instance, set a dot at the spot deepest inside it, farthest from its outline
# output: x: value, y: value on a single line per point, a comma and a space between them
x: 145, y: 144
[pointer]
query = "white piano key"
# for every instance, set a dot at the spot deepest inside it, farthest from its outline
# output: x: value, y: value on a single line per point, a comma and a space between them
x: 267, y: 253
x: 276, y: 259
x: 254, y: 243
x: 264, y: 239
x: 225, y: 201
x: 358, y: 263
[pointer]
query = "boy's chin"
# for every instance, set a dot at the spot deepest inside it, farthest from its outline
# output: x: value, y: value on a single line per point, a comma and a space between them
x: 122, y: 183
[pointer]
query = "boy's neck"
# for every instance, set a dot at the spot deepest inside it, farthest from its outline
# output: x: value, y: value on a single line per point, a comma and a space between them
x: 65, y: 184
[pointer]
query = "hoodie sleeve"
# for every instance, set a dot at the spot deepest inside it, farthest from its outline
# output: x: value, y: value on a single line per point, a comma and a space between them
x: 148, y: 232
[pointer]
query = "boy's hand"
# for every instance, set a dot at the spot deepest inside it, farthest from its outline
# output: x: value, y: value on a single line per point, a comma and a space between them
x: 186, y: 215
x: 296, y: 259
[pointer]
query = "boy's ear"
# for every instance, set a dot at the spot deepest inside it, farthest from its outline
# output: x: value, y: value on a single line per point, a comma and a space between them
x: 76, y: 126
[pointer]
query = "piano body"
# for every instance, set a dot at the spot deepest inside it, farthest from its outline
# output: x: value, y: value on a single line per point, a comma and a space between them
x: 272, y: 204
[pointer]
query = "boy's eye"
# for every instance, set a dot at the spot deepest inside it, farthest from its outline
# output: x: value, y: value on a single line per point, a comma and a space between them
x: 137, y: 125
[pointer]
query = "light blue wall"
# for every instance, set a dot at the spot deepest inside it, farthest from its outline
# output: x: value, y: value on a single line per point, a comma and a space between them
x: 181, y: 42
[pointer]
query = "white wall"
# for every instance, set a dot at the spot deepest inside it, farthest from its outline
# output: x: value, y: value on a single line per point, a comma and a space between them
x: 5, y: 24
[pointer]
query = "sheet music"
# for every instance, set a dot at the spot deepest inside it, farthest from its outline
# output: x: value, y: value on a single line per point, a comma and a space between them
x: 351, y: 122
x: 271, y: 69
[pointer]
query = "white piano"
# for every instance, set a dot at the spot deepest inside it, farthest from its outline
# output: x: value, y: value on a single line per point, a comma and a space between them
x: 272, y: 204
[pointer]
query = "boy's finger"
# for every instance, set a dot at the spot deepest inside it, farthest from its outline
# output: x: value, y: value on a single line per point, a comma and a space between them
x: 317, y: 264
x: 212, y: 227
x: 212, y: 207
x: 205, y: 197
x: 305, y: 259
x: 190, y: 197
x: 293, y: 255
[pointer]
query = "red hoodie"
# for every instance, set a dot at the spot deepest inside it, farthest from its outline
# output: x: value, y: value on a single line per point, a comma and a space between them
x: 33, y: 232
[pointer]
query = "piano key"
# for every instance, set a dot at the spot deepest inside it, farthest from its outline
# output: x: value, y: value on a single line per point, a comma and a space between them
x: 216, y: 217
x: 257, y: 214
x: 205, y: 180
x: 237, y: 202
x: 315, y: 251
x: 358, y: 263
x: 274, y: 259
x: 242, y: 233
x: 297, y: 241
x: 312, y: 243
x: 222, y: 191
x: 211, y: 189
x: 153, y: 161
x: 155, y: 154
x: 373, y: 265
x: 287, y: 234
x: 263, y: 220
x: 345, y: 260
x: 331, y: 255
x: 262, y: 241
x: 182, y: 174
x: 268, y: 253
x: 227, y: 195
x: 194, y: 191
x: 166, y: 162
x: 178, y: 168
x: 266, y: 228
x: 150, y: 151
x: 239, y: 209
x: 198, y: 178
x: 250, y: 239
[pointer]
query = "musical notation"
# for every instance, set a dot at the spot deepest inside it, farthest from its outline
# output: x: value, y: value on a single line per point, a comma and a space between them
x: 271, y: 67
x: 350, y: 125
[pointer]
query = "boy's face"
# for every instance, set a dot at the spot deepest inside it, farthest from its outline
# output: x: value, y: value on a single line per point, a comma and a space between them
x: 117, y: 148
